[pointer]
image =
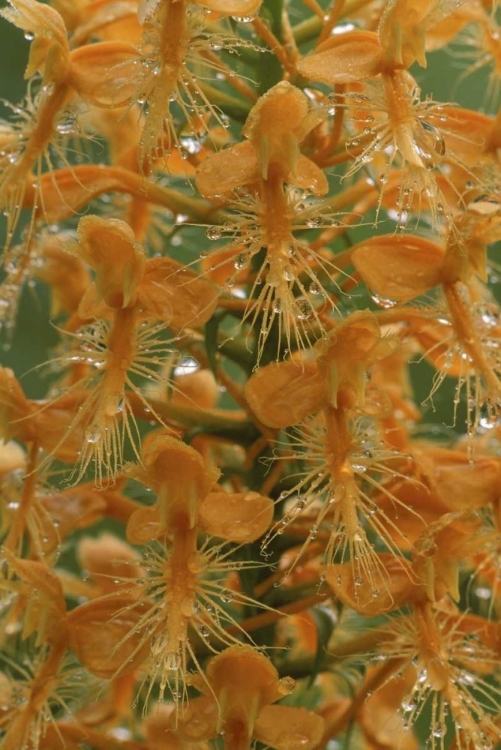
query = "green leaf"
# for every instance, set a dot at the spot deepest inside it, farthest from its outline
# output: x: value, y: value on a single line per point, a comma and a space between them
x: 211, y: 342
x: 272, y: 10
x: 270, y: 71
x: 325, y: 622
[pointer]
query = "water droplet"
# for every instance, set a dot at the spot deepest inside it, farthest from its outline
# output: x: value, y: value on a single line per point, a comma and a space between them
x: 190, y: 145
x: 66, y: 127
x: 304, y: 309
x: 439, y: 730
x: 438, y: 140
x: 241, y: 261
x: 293, y: 739
x: 409, y: 705
x: 314, y: 222
x: 173, y: 662
x: 422, y: 676
x: 287, y: 685
x: 489, y: 315
x: 213, y: 232
x: 243, y: 19
x: 382, y: 301
x: 93, y: 435
x: 227, y: 596
x: 482, y: 592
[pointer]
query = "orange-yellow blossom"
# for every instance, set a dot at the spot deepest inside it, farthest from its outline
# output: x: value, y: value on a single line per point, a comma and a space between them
x: 240, y: 685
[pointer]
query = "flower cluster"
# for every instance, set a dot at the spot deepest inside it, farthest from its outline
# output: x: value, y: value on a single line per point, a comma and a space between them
x: 230, y: 522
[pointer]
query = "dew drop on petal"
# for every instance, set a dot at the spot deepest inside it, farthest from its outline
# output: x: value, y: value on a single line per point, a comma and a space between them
x: 243, y: 19
x: 382, y: 301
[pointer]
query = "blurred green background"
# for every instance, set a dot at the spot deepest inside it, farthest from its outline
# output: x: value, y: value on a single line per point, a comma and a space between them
x: 32, y: 338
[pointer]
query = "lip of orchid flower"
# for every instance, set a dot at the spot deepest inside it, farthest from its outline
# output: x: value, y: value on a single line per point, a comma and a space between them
x: 109, y: 247
x: 152, y: 619
x: 407, y: 132
x: 40, y: 589
x: 177, y: 42
x: 291, y: 289
x: 276, y: 180
x: 335, y: 456
x: 125, y: 301
x: 157, y: 613
x: 449, y: 668
x: 32, y: 696
x: 331, y: 497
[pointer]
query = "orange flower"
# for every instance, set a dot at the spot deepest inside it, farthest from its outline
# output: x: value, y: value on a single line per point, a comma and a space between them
x: 240, y: 685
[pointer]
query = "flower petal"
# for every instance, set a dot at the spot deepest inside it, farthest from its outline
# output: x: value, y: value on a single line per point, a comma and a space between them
x: 284, y: 393
x: 288, y: 728
x: 239, y: 517
x: 223, y: 172
x: 399, y: 267
x: 105, y: 73
x: 106, y: 637
x: 172, y: 293
x: 346, y: 58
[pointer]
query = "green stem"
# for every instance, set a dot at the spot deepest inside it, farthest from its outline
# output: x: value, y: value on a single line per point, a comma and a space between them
x: 309, y: 29
x: 187, y: 416
x: 238, y: 109
x: 364, y: 644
